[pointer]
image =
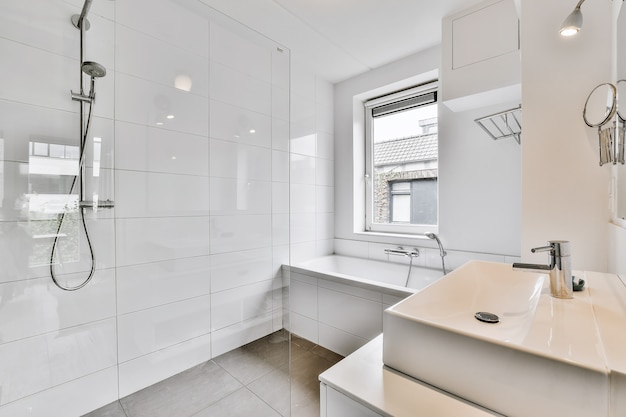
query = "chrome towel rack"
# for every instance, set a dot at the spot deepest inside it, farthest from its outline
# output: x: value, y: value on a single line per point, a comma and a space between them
x: 504, y: 124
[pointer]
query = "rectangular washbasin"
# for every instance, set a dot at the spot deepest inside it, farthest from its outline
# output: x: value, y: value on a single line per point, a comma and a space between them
x: 542, y: 358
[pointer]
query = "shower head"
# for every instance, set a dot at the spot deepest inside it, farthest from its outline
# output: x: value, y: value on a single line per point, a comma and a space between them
x: 93, y: 69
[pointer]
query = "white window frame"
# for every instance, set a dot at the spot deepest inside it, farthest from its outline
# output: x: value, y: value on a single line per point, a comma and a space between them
x: 403, y: 229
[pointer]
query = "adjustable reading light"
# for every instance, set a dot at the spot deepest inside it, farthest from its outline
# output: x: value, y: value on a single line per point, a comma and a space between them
x: 572, y: 24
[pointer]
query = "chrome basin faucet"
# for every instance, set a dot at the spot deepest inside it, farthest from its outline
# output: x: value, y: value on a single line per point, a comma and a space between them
x: 560, y: 267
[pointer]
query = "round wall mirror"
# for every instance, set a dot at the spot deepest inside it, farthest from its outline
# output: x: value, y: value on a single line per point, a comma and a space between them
x: 621, y: 92
x: 600, y: 105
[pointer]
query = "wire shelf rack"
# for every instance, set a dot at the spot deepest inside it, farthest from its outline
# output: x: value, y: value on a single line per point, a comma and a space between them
x: 504, y: 124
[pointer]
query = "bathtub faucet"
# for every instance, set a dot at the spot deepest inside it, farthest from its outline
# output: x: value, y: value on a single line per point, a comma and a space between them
x: 413, y: 253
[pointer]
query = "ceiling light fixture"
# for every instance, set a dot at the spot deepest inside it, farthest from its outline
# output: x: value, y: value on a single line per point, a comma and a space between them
x: 572, y: 23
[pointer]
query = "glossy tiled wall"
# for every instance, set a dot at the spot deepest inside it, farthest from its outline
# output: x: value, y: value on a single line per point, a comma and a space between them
x: 194, y: 133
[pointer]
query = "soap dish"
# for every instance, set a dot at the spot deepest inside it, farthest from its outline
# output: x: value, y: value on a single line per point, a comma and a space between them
x: 579, y: 284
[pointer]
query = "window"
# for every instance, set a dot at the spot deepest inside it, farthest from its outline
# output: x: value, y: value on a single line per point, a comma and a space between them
x: 401, y: 161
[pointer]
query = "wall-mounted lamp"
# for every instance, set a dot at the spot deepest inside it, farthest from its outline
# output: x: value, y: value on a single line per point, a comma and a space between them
x: 572, y: 23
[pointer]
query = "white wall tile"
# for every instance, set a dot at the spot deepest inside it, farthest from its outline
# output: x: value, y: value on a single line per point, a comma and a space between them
x: 232, y: 160
x: 324, y: 172
x: 147, y: 331
x: 324, y: 247
x: 157, y: 366
x: 148, y: 103
x: 236, y: 269
x: 302, y: 198
x: 325, y: 199
x: 280, y: 229
x: 237, y: 124
x: 240, y: 304
x: 37, y: 306
x: 301, y: 252
x: 241, y: 53
x: 192, y: 36
x: 144, y: 148
x: 231, y: 337
x: 302, y: 227
x: 155, y: 60
x: 280, y: 197
x: 280, y: 166
x: 230, y: 196
x: 302, y: 169
x: 153, y: 284
x: 160, y: 239
x: 151, y: 194
x: 55, y: 358
x: 87, y: 393
x: 280, y: 103
x: 280, y: 134
x: 232, y: 233
x: 324, y: 226
x: 356, y: 248
x: 325, y: 145
x: 240, y: 90
x: 280, y: 67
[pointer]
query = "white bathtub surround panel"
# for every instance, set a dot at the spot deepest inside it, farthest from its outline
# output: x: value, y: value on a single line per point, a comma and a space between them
x: 37, y: 306
x: 355, y: 315
x: 87, y: 393
x: 339, y: 341
x: 280, y: 229
x: 55, y: 358
x: 151, y: 104
x: 233, y: 233
x: 347, y: 287
x: 239, y: 89
x: 232, y: 337
x: 280, y: 134
x: 24, y: 123
x: 143, y: 240
x: 157, y: 366
x: 147, y: 331
x: 153, y: 284
x: 230, y: 196
x: 304, y: 327
x: 152, y: 59
x: 25, y: 249
x: 147, y: 148
x: 241, y: 52
x: 192, y: 35
x: 233, y: 160
x: 153, y: 194
x: 303, y: 298
x: 302, y: 169
x: 240, y: 304
x: 236, y: 269
x: 237, y: 124
x: 302, y: 198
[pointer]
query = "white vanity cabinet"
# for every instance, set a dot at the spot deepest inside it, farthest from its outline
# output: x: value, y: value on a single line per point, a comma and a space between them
x: 481, y: 56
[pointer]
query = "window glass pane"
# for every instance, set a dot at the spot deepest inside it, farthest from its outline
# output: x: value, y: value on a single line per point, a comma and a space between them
x: 404, y: 154
x: 57, y: 151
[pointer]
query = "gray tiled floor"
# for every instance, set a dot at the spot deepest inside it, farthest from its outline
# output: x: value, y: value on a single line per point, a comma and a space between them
x: 253, y: 380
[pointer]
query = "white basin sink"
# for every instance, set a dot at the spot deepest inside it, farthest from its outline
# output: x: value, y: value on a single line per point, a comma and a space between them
x: 543, y: 358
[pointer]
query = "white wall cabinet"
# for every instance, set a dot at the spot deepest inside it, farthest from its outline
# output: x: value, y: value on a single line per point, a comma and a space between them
x: 481, y: 56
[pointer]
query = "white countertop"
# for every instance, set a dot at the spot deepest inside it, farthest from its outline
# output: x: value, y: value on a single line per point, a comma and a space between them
x: 363, y: 377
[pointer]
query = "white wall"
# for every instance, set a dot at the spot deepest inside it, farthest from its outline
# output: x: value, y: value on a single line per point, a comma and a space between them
x: 479, y: 179
x: 564, y: 191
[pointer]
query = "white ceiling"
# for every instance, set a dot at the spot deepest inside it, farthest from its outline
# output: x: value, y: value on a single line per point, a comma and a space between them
x: 339, y: 39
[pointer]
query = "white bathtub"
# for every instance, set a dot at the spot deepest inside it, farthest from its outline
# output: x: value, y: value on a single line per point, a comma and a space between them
x: 338, y: 301
x: 369, y: 272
